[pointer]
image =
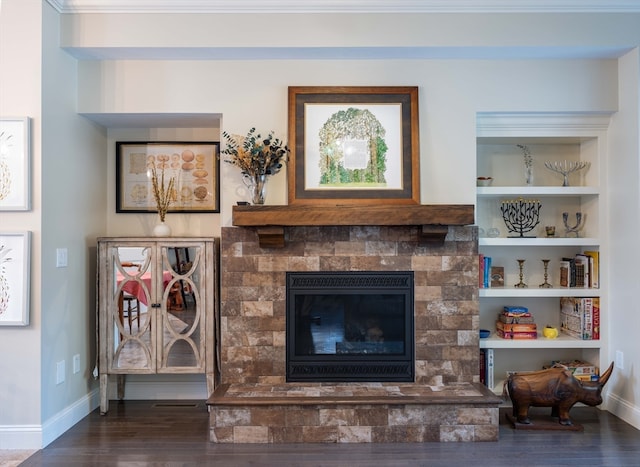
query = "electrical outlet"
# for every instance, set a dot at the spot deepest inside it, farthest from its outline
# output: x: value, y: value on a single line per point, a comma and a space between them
x: 60, y: 372
x: 620, y: 359
x: 76, y: 363
x: 61, y: 258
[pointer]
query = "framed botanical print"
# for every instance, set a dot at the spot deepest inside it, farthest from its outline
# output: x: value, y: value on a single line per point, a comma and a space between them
x: 194, y: 166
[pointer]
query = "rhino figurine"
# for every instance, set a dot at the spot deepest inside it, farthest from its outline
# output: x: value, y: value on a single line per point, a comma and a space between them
x: 555, y: 387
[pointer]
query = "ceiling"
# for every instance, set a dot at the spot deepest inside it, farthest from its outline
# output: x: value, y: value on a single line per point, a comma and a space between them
x: 342, y: 6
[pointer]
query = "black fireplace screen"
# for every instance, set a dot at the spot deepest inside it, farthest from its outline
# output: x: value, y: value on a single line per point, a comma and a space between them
x: 350, y: 326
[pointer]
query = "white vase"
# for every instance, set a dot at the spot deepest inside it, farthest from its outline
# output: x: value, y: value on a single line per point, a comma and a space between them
x: 162, y: 229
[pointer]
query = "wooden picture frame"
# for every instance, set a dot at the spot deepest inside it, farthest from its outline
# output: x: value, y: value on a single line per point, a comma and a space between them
x: 354, y: 145
x: 15, y: 262
x: 15, y: 164
x: 195, y: 166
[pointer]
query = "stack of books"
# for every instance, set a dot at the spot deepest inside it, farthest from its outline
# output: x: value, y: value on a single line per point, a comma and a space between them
x: 580, y: 317
x: 515, y: 322
x: 582, y: 370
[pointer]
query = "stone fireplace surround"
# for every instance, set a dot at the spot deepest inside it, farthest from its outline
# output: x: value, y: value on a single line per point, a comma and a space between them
x: 446, y: 402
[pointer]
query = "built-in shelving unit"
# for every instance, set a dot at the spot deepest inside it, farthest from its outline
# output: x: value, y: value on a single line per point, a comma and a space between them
x: 549, y: 137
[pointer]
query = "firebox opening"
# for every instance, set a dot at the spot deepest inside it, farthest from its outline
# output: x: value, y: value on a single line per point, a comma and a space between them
x: 350, y: 326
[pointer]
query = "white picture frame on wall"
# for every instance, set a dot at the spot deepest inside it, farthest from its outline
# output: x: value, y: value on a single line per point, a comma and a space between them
x: 15, y: 164
x: 15, y: 254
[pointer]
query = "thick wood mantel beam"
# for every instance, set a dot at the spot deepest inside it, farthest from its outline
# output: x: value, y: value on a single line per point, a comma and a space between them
x: 433, y: 218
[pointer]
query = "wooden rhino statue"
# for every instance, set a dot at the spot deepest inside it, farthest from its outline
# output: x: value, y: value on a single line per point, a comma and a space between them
x: 555, y: 387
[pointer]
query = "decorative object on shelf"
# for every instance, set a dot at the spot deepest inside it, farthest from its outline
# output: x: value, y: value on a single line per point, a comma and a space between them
x: 348, y: 147
x: 550, y: 332
x: 493, y: 232
x: 521, y: 215
x: 164, y: 196
x: 257, y: 157
x: 528, y: 164
x: 550, y: 230
x: 555, y: 387
x: 484, y: 181
x: 521, y: 284
x: 565, y: 168
x: 577, y: 227
x: 545, y: 284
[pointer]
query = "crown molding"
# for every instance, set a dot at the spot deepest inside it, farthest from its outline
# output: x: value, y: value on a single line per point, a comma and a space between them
x: 346, y: 6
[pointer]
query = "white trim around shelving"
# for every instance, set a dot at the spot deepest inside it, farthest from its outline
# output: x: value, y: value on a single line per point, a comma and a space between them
x: 561, y: 342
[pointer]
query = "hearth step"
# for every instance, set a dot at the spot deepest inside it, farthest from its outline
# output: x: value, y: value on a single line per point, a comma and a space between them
x: 352, y: 413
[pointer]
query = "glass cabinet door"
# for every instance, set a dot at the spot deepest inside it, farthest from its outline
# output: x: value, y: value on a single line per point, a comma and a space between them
x: 130, y: 309
x: 181, y: 327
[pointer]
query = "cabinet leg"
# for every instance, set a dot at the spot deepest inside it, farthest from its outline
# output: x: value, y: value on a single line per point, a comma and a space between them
x: 120, y: 382
x: 104, y: 394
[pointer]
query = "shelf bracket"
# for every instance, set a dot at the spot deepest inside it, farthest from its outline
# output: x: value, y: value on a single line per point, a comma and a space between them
x: 433, y: 234
x: 270, y: 237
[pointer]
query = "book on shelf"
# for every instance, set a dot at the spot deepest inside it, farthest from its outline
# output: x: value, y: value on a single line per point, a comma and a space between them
x: 481, y: 271
x: 497, y: 276
x: 581, y: 271
x: 516, y: 335
x: 516, y: 327
x: 594, y: 268
x: 577, y: 367
x: 516, y: 311
x: 486, y: 272
x: 515, y: 319
x: 565, y: 273
x: 483, y: 366
x: 490, y: 368
x: 579, y: 318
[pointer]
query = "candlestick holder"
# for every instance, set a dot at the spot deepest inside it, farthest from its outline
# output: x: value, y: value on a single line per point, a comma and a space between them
x: 565, y: 168
x: 545, y: 284
x: 576, y: 228
x: 521, y: 284
x: 521, y: 215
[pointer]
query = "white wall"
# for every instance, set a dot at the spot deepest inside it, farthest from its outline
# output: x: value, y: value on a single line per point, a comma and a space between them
x: 20, y: 95
x: 624, y: 214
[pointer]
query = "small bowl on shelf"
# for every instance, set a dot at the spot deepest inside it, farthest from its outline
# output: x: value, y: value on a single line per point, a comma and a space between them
x: 484, y: 181
x: 484, y: 333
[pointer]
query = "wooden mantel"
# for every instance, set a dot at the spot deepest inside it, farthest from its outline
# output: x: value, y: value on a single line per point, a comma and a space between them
x: 270, y: 221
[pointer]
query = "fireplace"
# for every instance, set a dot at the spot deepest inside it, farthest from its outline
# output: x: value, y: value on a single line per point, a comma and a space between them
x: 349, y: 326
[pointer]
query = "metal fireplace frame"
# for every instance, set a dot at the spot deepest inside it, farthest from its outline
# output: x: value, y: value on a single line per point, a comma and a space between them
x: 359, y: 367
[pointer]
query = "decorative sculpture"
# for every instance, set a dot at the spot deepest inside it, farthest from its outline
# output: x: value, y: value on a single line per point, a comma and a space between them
x: 521, y: 215
x: 576, y: 228
x: 565, y: 168
x: 556, y: 388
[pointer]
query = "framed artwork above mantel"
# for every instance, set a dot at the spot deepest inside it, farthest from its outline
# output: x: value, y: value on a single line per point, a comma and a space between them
x: 356, y: 145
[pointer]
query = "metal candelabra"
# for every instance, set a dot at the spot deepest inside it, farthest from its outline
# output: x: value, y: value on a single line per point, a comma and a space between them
x: 565, y: 168
x: 576, y: 228
x: 521, y: 215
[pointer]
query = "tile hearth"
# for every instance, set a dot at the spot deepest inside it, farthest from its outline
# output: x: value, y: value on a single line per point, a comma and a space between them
x: 352, y: 413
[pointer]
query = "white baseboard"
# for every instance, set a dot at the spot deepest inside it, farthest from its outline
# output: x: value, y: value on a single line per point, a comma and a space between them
x: 65, y: 419
x: 20, y: 436
x: 623, y: 410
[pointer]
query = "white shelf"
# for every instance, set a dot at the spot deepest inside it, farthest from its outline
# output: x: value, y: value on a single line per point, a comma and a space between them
x: 538, y: 292
x: 538, y: 241
x: 537, y: 191
x: 561, y: 342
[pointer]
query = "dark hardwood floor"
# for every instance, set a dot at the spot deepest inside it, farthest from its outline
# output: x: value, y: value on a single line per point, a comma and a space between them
x: 174, y: 433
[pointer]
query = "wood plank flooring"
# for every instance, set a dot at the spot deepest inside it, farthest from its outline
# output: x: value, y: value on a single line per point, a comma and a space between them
x: 175, y: 433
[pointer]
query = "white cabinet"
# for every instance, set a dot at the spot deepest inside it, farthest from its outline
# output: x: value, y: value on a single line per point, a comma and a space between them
x: 549, y: 137
x: 156, y: 308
